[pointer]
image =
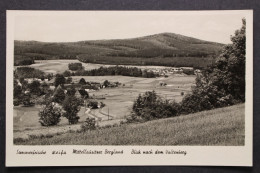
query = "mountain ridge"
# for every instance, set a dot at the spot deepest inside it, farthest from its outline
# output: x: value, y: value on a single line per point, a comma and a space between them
x: 145, y: 50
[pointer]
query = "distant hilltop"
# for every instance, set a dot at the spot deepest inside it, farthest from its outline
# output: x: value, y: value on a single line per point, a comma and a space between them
x: 159, y: 49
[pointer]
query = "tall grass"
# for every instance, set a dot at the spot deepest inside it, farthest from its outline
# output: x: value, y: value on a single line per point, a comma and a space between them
x: 222, y: 127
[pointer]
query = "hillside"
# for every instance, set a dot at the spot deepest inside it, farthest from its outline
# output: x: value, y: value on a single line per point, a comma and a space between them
x: 159, y: 49
x: 224, y: 126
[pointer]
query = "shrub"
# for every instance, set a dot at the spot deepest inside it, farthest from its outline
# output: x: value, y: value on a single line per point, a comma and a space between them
x: 89, y: 124
x: 50, y: 115
x: 26, y: 100
x: 16, y: 102
x: 102, y: 104
x: 93, y: 104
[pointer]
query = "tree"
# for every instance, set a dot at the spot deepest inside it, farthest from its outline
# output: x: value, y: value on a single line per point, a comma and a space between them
x: 93, y: 104
x: 69, y: 80
x: 72, y: 106
x: 49, y: 76
x: 35, y: 87
x: 223, y: 83
x: 50, y: 114
x: 71, y: 91
x: 17, y: 89
x: 106, y: 83
x: 26, y: 100
x: 82, y: 81
x: 66, y: 73
x: 59, y: 95
x: 84, y: 93
x: 59, y: 80
x: 229, y: 71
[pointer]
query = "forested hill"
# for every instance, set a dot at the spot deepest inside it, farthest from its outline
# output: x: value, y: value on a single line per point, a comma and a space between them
x: 159, y: 49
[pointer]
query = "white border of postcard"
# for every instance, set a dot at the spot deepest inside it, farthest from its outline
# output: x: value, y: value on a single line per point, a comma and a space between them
x: 196, y: 155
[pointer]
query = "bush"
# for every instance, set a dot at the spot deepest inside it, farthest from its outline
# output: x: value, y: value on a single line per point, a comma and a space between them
x: 89, y: 124
x: 26, y: 100
x: 93, y: 104
x: 16, y: 102
x: 50, y: 115
x: 102, y: 104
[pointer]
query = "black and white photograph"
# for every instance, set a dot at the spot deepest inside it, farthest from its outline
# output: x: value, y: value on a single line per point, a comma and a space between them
x: 130, y: 78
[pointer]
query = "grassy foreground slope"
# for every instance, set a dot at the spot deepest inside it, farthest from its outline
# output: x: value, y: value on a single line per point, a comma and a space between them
x: 224, y: 126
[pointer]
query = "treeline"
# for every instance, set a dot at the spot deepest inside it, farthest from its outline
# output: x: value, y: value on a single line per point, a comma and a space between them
x: 23, y: 62
x: 159, y: 52
x: 196, y: 62
x: 112, y: 71
x: 28, y: 72
x: 220, y: 85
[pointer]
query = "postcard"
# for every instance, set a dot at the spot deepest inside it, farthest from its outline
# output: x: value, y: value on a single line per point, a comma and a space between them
x: 113, y: 88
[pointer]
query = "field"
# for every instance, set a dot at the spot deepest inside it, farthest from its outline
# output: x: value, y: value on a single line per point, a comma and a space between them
x: 224, y: 126
x: 118, y: 101
x: 59, y: 66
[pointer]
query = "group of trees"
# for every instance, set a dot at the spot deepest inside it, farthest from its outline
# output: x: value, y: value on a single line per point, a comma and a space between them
x: 75, y: 66
x: 23, y: 62
x: 150, y: 106
x: 221, y: 84
x: 25, y: 93
x: 112, y: 71
x: 70, y: 107
x: 70, y: 103
x: 28, y: 72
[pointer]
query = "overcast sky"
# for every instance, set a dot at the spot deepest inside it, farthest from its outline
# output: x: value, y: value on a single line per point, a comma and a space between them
x: 95, y: 25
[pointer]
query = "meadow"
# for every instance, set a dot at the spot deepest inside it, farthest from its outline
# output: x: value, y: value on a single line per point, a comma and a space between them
x: 218, y: 127
x: 118, y: 101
